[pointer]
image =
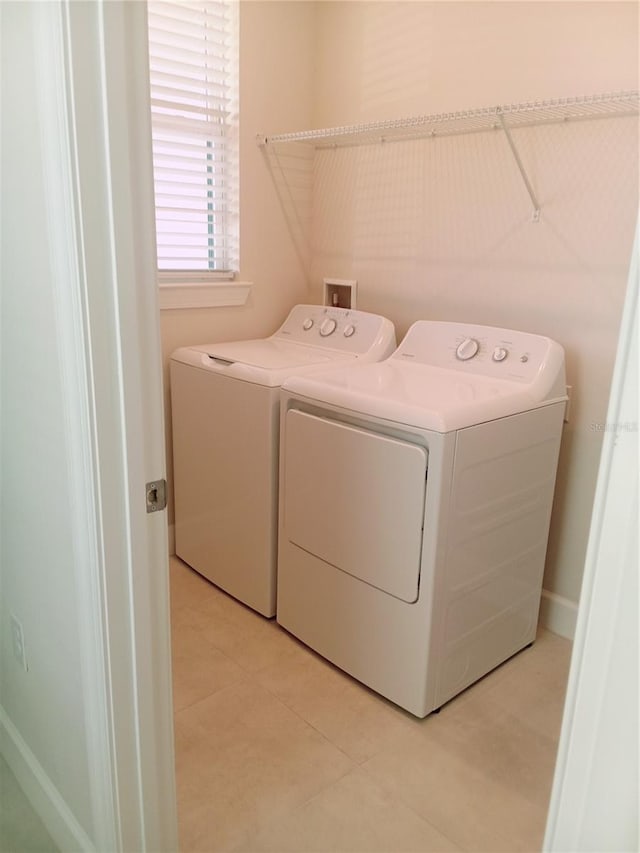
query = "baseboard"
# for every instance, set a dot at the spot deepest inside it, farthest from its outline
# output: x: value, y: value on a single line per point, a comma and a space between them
x: 558, y: 614
x: 43, y: 795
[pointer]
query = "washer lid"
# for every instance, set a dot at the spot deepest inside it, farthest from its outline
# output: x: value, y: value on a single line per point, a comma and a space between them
x: 263, y: 361
x: 312, y: 336
x: 268, y: 354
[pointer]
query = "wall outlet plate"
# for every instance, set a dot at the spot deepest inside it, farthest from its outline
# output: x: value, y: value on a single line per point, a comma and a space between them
x: 340, y: 292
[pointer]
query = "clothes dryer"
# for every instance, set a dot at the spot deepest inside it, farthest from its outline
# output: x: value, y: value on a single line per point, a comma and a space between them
x: 415, y: 505
x: 225, y: 419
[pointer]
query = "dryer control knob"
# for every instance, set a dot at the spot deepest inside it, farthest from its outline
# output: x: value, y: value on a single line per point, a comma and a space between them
x: 467, y: 349
x: 308, y: 324
x: 500, y: 353
x: 328, y: 327
x: 349, y: 331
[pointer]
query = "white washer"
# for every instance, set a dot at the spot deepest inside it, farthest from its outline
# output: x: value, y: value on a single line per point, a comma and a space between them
x: 415, y: 504
x: 225, y: 407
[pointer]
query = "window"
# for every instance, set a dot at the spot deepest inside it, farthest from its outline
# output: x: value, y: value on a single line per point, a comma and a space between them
x: 193, y: 61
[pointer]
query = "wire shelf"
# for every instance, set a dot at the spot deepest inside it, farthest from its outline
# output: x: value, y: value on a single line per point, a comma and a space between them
x: 510, y: 116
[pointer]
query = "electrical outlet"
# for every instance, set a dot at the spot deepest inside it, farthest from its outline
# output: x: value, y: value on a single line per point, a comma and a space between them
x: 17, y: 641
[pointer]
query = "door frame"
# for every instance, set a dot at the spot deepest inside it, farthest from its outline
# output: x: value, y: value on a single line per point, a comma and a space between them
x: 95, y: 97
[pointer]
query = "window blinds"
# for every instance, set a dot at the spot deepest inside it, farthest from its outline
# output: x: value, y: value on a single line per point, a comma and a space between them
x: 193, y: 60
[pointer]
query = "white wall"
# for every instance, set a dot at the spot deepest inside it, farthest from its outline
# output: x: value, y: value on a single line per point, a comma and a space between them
x: 276, y: 79
x: 393, y: 59
x: 441, y: 228
x: 40, y: 708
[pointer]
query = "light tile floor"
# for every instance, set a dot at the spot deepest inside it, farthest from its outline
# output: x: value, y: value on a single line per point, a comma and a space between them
x: 277, y: 750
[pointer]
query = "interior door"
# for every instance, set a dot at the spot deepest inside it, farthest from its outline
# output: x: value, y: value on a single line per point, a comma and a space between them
x: 355, y: 499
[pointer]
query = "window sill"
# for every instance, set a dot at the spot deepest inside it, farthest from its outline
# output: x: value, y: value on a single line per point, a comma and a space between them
x: 203, y: 295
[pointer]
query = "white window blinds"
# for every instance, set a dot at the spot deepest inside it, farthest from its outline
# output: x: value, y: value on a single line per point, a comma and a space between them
x: 193, y: 58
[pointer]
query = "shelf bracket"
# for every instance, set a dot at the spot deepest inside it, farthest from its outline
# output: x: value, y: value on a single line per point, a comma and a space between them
x: 536, y: 207
x: 290, y: 210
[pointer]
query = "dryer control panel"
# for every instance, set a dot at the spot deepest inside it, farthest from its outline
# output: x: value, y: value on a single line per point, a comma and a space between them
x: 483, y: 351
x: 340, y: 329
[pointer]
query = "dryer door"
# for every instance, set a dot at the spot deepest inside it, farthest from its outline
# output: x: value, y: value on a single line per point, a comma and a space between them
x: 355, y: 499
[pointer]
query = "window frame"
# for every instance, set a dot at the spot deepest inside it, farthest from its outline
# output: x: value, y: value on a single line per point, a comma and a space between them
x: 220, y: 74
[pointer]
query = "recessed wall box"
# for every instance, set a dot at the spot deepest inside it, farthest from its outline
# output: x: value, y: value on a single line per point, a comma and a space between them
x: 340, y: 292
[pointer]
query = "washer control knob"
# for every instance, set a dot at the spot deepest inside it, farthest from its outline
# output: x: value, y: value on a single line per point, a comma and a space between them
x: 328, y: 327
x: 500, y: 353
x: 308, y: 324
x: 467, y: 349
x: 349, y: 330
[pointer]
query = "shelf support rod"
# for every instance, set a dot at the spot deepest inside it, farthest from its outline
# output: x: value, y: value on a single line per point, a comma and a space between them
x: 536, y: 207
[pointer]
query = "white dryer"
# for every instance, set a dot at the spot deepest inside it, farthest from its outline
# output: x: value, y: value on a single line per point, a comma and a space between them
x: 225, y: 408
x: 415, y: 504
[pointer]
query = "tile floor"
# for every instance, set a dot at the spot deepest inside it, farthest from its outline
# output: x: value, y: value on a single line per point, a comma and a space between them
x: 277, y: 750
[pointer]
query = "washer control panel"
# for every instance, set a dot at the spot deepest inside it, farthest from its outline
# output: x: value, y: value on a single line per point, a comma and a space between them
x: 481, y: 350
x: 467, y: 349
x: 328, y: 326
x: 342, y: 329
x: 500, y: 353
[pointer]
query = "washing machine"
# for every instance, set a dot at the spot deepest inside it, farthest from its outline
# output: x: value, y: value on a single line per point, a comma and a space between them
x: 415, y: 499
x: 224, y: 411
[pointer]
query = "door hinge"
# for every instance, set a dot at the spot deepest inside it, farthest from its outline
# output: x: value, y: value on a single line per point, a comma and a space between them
x: 156, y: 495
